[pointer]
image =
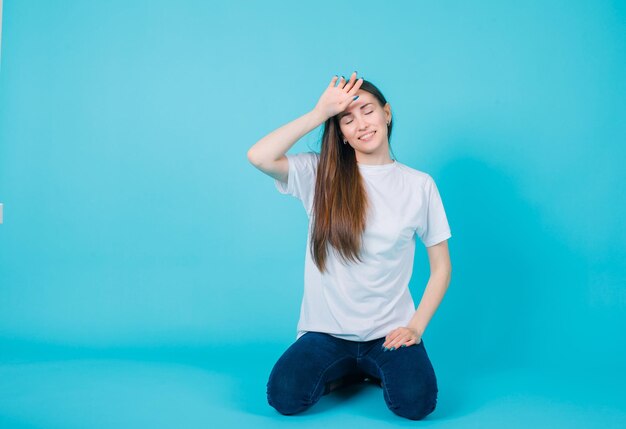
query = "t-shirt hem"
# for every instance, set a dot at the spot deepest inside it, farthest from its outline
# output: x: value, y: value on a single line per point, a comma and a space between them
x: 437, y: 239
x: 346, y: 337
x: 287, y: 187
x: 281, y: 186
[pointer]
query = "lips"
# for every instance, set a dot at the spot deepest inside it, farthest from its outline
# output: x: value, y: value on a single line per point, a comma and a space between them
x: 367, y: 136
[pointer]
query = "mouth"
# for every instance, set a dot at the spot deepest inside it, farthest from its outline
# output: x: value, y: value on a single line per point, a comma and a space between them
x: 367, y: 137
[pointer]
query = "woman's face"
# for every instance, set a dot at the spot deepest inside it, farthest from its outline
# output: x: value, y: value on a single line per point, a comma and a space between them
x: 364, y: 124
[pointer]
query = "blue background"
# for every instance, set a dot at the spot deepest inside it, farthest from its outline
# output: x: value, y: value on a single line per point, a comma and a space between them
x: 150, y: 276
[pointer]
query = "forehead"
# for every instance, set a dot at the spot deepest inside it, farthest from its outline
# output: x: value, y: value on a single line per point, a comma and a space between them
x: 364, y: 98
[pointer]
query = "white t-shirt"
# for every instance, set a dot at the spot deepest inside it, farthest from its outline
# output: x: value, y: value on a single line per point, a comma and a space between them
x: 362, y: 301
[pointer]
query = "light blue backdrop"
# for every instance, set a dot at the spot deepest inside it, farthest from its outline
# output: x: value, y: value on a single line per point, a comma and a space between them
x: 132, y: 217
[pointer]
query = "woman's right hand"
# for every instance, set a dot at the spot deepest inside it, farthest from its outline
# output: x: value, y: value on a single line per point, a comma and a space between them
x: 336, y: 99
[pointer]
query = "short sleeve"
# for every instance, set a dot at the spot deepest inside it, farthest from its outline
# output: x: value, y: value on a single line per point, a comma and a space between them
x: 434, y: 227
x: 301, y: 179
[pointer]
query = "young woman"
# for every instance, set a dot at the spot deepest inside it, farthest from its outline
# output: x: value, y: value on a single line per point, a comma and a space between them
x: 358, y: 320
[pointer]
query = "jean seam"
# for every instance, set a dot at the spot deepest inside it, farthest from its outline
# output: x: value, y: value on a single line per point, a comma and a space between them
x: 382, y: 379
x: 321, y: 377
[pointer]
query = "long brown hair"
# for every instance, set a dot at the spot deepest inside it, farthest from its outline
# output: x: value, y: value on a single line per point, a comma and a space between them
x: 340, y: 203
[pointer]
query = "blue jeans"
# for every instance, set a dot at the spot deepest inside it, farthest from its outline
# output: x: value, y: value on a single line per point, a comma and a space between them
x: 317, y: 361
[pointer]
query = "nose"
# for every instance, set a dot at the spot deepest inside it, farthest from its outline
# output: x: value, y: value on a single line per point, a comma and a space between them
x: 360, y: 123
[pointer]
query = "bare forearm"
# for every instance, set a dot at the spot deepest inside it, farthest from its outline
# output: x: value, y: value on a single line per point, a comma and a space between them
x: 278, y: 142
x: 433, y: 295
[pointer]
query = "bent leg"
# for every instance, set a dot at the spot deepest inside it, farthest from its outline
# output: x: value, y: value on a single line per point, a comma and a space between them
x: 408, y: 378
x: 298, y: 379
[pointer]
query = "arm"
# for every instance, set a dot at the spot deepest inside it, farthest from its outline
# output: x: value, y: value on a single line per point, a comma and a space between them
x: 268, y: 154
x: 440, y: 272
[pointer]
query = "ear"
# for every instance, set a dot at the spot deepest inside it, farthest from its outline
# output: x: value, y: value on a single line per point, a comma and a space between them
x: 387, y: 109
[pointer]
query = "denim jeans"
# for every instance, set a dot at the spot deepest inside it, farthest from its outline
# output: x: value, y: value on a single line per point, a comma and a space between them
x: 316, y: 361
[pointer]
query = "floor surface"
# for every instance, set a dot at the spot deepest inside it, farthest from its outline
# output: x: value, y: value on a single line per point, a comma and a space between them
x: 225, y: 388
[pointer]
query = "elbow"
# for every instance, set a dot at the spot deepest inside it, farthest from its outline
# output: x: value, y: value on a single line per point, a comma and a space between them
x: 259, y: 160
x: 252, y: 157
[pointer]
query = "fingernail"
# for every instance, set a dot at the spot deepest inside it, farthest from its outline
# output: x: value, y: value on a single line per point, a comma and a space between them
x: 355, y: 97
x: 403, y: 345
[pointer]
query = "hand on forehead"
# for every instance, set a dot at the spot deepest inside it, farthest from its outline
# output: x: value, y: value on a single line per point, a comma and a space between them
x: 365, y: 98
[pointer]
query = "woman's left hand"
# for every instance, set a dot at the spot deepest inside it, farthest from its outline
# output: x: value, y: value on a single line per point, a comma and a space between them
x: 402, y: 337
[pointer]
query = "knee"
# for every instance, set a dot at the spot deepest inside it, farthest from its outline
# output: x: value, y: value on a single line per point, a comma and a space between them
x: 415, y: 411
x: 414, y: 408
x: 286, y: 398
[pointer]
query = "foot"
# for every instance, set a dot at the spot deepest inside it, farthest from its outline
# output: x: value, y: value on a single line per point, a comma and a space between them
x: 377, y: 381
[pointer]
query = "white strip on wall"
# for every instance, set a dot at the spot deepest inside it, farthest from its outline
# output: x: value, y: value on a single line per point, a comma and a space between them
x: 0, y: 30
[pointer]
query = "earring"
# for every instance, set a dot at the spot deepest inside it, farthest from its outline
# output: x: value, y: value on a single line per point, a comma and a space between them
x: 345, y: 141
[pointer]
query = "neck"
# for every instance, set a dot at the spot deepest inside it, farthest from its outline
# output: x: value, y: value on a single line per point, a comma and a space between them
x: 373, y: 158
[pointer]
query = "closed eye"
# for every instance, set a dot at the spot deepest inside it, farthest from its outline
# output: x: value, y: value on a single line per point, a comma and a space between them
x: 351, y: 119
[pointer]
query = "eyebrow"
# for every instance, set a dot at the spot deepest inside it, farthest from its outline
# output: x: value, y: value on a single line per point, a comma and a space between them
x: 341, y: 115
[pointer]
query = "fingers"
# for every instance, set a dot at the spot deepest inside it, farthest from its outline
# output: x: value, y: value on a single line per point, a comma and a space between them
x: 398, y: 338
x: 402, y: 340
x: 410, y: 342
x: 353, y: 84
x: 390, y: 336
x: 356, y: 86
